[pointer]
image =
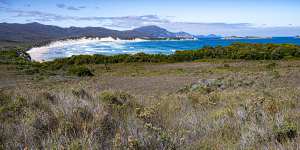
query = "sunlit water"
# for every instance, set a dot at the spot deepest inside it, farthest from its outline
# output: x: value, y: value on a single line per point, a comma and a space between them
x: 108, y: 46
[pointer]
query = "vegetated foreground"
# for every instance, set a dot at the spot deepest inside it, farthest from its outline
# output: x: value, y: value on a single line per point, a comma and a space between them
x: 207, y: 104
x: 213, y: 105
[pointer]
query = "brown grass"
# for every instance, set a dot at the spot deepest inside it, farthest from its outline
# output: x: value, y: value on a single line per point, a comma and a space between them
x: 199, y: 105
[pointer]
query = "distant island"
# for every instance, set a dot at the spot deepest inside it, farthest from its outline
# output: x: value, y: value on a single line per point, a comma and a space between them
x: 246, y: 37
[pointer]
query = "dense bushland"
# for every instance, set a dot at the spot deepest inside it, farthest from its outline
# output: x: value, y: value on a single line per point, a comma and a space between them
x: 236, y: 105
x: 234, y: 51
x: 14, y: 56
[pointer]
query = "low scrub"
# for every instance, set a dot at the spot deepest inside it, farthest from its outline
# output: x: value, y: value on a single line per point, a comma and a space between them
x: 234, y: 51
x: 73, y: 65
x: 80, y: 71
x: 285, y: 131
x: 233, y: 118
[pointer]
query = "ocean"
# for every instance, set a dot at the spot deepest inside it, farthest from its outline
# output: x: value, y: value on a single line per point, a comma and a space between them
x: 110, y: 46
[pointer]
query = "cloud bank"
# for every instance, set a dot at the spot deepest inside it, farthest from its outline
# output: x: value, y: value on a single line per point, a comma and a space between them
x: 3, y: 2
x: 63, y: 6
x: 129, y: 22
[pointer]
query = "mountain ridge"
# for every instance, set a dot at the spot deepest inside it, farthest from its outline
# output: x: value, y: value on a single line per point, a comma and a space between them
x: 36, y: 32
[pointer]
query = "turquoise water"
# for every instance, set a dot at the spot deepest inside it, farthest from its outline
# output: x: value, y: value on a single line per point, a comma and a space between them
x: 151, y: 47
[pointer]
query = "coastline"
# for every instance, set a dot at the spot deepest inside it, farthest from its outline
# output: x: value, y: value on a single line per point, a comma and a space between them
x: 110, y: 46
x: 36, y: 53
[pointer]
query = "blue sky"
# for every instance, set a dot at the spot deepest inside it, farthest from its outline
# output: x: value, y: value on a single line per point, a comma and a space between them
x: 224, y: 17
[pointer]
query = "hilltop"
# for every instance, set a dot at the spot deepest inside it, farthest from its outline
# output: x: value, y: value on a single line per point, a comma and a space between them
x: 36, y: 32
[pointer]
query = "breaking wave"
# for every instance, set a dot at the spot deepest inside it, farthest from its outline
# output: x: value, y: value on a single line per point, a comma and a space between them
x: 87, y: 46
x: 111, y: 46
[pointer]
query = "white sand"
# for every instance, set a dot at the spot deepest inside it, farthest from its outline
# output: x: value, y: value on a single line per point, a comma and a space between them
x: 37, y: 53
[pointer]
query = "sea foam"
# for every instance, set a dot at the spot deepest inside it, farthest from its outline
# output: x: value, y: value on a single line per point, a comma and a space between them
x: 37, y: 53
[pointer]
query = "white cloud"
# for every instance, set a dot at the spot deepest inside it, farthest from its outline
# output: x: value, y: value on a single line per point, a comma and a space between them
x: 64, y: 6
x: 4, y: 2
x: 129, y: 22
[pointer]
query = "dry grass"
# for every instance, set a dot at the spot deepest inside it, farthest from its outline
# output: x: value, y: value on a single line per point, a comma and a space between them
x: 203, y: 105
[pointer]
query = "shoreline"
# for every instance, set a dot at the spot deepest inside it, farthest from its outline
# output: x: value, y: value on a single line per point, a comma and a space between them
x: 36, y: 52
x: 111, y: 47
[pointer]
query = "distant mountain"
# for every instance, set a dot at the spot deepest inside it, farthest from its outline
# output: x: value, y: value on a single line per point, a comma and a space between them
x: 35, y: 32
x: 157, y: 32
x: 184, y: 35
x: 153, y: 31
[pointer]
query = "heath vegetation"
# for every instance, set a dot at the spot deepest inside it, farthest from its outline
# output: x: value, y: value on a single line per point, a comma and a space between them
x: 218, y: 100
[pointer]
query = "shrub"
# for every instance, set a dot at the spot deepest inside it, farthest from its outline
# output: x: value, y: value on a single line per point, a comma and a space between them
x: 226, y: 65
x: 49, y: 97
x: 119, y: 104
x: 271, y: 65
x: 32, y: 71
x: 81, y: 93
x: 115, y: 98
x: 80, y: 71
x: 76, y: 145
x: 82, y: 114
x: 288, y: 130
x: 13, y: 109
x: 4, y: 99
x: 43, y: 122
x: 13, y: 56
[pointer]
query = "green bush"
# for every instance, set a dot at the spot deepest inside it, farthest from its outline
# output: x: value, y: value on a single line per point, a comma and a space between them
x: 4, y: 99
x: 287, y: 130
x: 80, y: 71
x: 235, y: 51
x: 14, y: 56
x: 32, y: 71
x: 12, y: 109
x: 271, y: 65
